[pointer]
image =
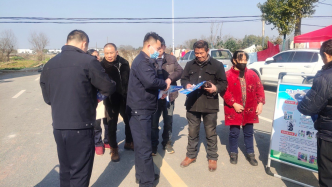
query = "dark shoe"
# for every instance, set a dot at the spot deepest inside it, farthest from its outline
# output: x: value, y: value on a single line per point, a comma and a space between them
x: 115, y: 155
x: 252, y: 160
x: 154, y: 151
x: 156, y: 177
x: 212, y: 165
x: 169, y: 149
x: 233, y: 158
x: 99, y: 150
x: 187, y: 161
x: 129, y: 146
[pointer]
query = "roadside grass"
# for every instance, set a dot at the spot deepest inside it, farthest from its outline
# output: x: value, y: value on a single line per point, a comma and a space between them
x: 21, y: 63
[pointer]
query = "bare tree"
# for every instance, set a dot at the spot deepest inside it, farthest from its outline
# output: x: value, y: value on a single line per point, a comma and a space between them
x: 39, y: 41
x: 7, y: 43
x: 215, y: 36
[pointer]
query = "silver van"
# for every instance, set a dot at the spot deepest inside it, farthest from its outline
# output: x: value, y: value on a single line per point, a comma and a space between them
x: 222, y: 55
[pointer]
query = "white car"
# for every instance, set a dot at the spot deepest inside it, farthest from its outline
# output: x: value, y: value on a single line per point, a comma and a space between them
x: 299, y: 61
x: 222, y: 55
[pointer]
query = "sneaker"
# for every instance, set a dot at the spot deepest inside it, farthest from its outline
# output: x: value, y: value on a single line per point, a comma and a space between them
x: 154, y: 151
x: 169, y: 149
x: 99, y: 150
x: 107, y: 146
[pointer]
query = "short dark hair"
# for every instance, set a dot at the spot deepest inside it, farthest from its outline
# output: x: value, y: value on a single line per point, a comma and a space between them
x: 162, y: 41
x: 111, y: 44
x: 151, y: 35
x: 201, y: 44
x: 91, y: 51
x: 326, y: 48
x: 239, y: 55
x: 78, y: 35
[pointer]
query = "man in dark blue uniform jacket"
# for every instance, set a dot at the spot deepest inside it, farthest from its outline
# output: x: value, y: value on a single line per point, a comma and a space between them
x: 69, y: 83
x: 141, y: 104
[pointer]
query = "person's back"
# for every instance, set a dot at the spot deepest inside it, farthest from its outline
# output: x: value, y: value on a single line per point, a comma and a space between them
x: 69, y: 83
x: 71, y: 95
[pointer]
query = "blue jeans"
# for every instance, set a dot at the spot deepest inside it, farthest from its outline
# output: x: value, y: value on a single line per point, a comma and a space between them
x: 98, y: 131
x: 248, y: 131
x: 167, y: 110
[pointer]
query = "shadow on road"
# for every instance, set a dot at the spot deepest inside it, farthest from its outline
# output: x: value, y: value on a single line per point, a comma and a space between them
x: 11, y: 75
x: 51, y: 179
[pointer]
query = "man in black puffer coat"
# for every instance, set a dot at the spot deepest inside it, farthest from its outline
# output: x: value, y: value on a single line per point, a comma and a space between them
x: 118, y: 69
x: 318, y: 100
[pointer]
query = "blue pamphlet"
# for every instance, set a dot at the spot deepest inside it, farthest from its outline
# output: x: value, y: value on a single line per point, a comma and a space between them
x: 187, y: 91
x: 100, y: 96
x: 171, y: 89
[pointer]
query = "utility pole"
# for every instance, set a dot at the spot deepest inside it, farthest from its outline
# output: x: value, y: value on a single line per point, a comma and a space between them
x: 173, y: 25
x: 263, y: 31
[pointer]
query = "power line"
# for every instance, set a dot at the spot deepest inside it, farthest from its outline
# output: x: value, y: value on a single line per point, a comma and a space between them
x: 313, y: 25
x: 104, y: 19
x: 159, y: 22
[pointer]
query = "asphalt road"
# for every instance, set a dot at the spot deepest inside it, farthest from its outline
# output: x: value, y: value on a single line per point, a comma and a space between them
x: 28, y: 154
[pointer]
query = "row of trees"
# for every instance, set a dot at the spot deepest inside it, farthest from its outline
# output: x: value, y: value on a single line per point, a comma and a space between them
x: 8, y: 44
x: 232, y: 43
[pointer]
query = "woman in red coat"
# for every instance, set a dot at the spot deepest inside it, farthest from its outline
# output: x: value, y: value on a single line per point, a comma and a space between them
x: 244, y: 99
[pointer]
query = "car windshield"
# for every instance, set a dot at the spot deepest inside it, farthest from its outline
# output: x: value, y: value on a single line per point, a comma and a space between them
x: 221, y: 54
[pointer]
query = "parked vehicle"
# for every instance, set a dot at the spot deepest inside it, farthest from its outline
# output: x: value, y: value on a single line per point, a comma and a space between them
x: 303, y: 61
x: 222, y: 55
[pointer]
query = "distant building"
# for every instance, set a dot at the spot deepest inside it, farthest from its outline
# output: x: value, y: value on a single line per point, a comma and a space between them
x: 54, y: 51
x: 26, y: 51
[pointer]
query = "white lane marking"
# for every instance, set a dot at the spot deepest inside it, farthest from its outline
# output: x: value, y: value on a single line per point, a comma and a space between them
x: 18, y: 94
x: 270, y: 92
x: 37, y: 79
x: 266, y: 119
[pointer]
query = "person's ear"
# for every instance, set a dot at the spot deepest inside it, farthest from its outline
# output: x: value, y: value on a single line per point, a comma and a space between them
x: 117, y: 52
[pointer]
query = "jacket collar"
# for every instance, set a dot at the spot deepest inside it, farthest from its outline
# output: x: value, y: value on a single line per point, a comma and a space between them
x: 327, y: 66
x: 145, y: 55
x: 71, y: 48
x: 208, y: 61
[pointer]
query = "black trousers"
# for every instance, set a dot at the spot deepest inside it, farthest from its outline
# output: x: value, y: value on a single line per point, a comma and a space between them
x: 141, y: 130
x: 98, y: 131
x: 210, y: 124
x: 112, y: 113
x: 324, y: 162
x: 76, y: 154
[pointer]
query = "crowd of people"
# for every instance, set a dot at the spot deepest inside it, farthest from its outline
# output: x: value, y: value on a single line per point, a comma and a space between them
x: 71, y: 80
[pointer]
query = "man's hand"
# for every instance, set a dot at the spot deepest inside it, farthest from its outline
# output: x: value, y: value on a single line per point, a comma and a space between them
x: 259, y: 109
x: 189, y: 86
x: 163, y: 96
x: 238, y: 108
x: 211, y: 90
x: 168, y: 82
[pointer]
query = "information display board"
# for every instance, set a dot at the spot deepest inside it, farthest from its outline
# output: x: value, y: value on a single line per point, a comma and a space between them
x: 293, y: 137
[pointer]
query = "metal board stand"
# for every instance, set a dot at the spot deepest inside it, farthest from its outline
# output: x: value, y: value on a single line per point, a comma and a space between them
x: 268, y: 166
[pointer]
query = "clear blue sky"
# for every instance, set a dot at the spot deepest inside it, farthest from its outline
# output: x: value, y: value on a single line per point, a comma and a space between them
x: 132, y: 34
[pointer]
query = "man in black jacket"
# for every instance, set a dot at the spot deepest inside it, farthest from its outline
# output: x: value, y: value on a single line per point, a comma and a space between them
x: 141, y: 104
x: 69, y: 83
x: 203, y: 102
x: 167, y: 68
x: 318, y: 100
x: 118, y: 69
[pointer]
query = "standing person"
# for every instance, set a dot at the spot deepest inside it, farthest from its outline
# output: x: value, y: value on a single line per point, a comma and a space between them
x: 100, y: 145
x: 142, y: 103
x: 318, y: 101
x: 167, y: 68
x: 244, y: 99
x: 204, y: 102
x: 183, y: 52
x: 118, y: 69
x: 69, y: 83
